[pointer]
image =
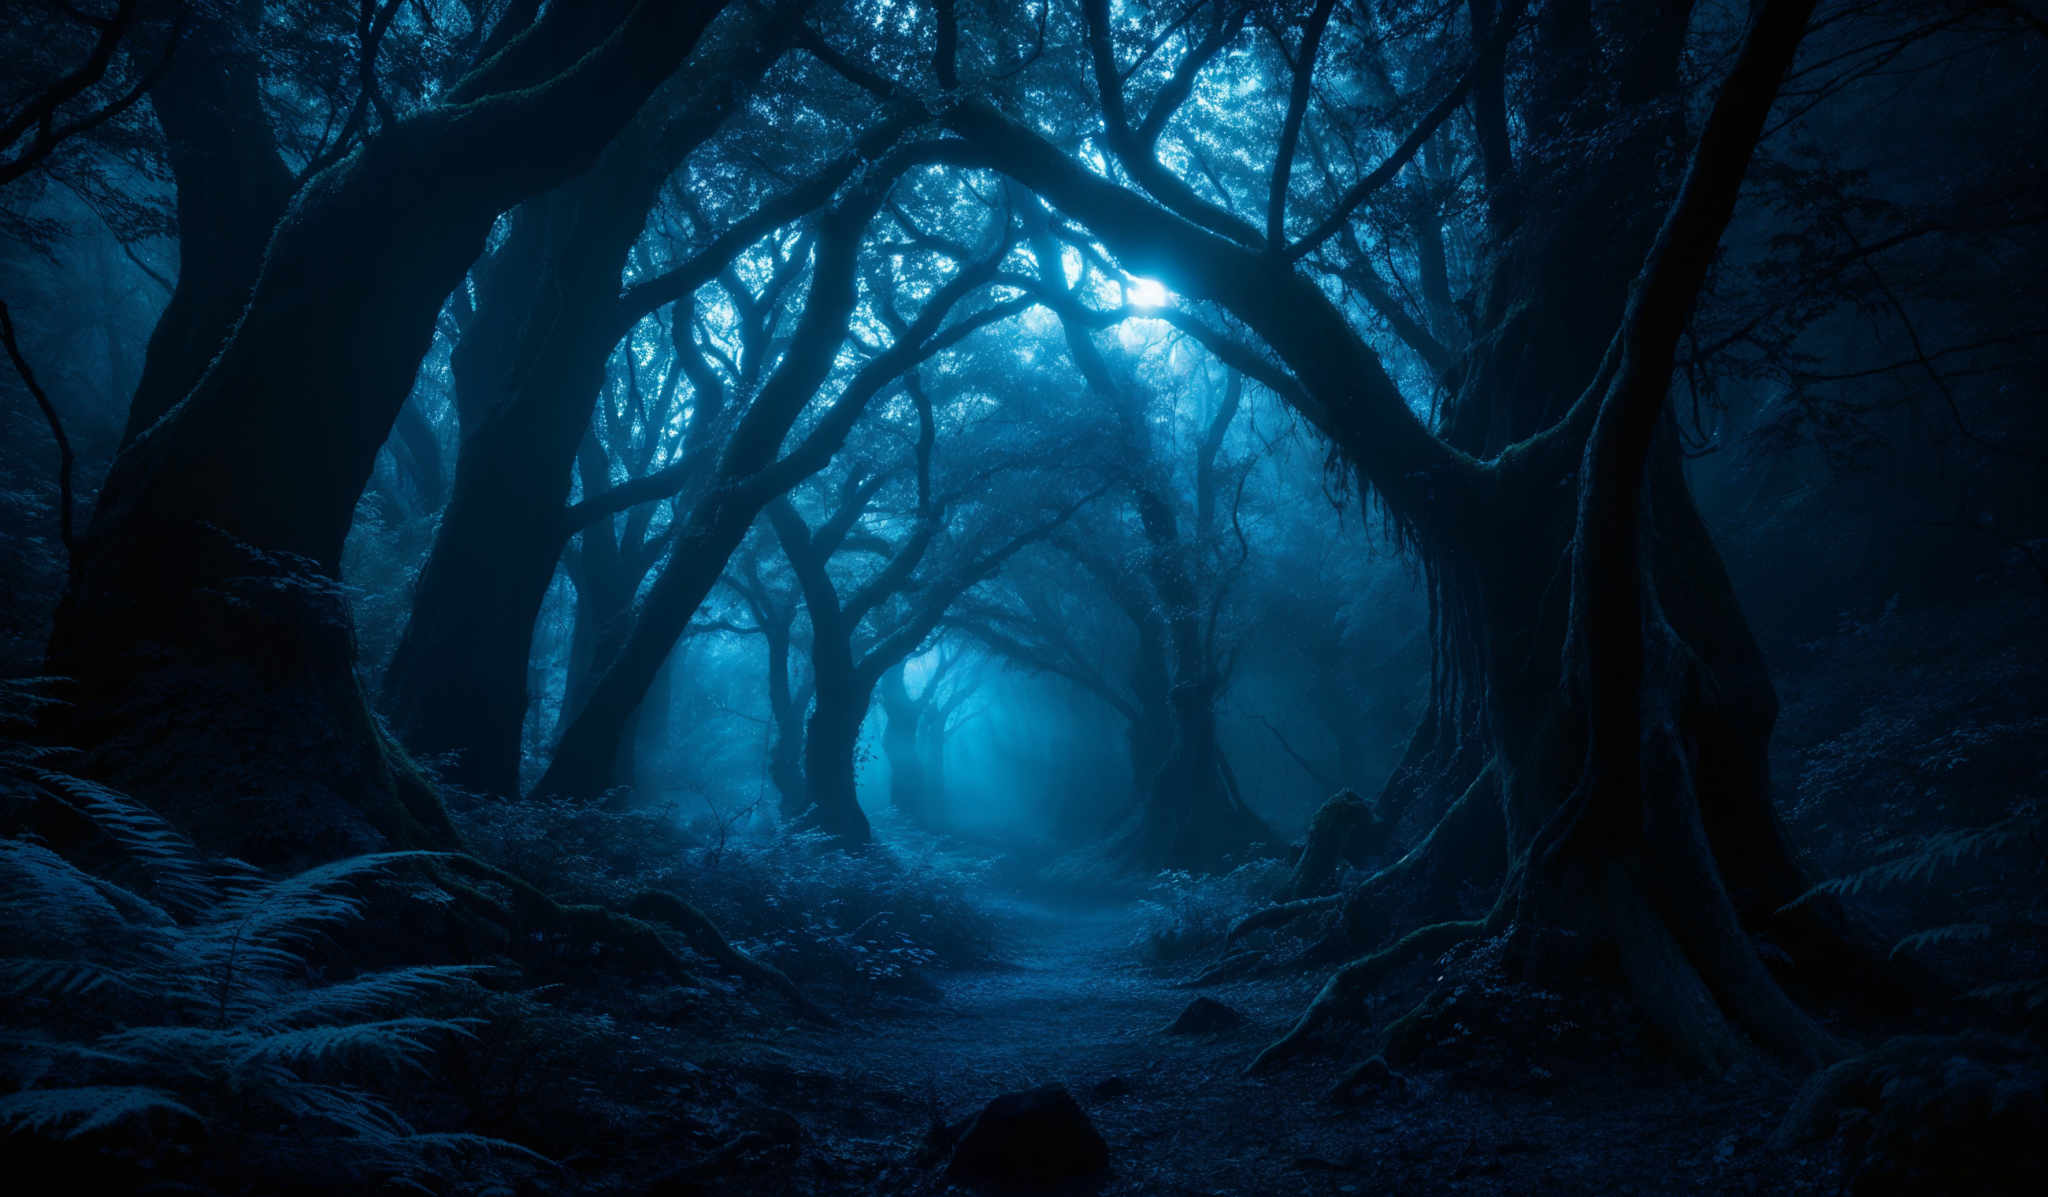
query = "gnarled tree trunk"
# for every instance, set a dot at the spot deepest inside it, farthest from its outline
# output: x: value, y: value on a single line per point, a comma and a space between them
x: 202, y: 600
x: 1559, y: 565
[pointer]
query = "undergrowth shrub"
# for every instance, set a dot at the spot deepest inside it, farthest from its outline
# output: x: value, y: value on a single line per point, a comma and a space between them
x: 857, y: 921
x: 1989, y: 883
x: 1908, y: 724
x: 1183, y: 913
x: 161, y: 1013
x: 1931, y: 1114
x: 854, y: 923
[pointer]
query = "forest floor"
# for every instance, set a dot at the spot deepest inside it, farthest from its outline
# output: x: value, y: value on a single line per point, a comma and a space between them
x: 1073, y: 1005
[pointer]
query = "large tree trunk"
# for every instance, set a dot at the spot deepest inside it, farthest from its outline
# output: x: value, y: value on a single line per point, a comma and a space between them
x: 202, y: 597
x: 1150, y: 734
x: 1192, y: 816
x: 1539, y: 572
x: 528, y: 371
x: 1629, y: 711
x: 231, y: 189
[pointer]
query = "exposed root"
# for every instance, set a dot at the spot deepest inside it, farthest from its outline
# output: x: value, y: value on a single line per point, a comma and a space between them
x: 1467, y: 845
x: 1345, y: 828
x: 1345, y: 992
x: 1280, y: 915
x: 705, y: 937
x: 1230, y: 968
x: 633, y: 937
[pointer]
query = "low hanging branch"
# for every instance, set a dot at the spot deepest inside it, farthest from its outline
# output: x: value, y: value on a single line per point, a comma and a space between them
x: 65, y: 459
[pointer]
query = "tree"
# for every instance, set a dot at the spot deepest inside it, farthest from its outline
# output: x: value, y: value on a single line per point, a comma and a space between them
x: 915, y: 727
x: 202, y: 600
x: 749, y: 474
x: 549, y: 312
x: 1549, y: 462
x: 950, y: 539
x: 1192, y: 815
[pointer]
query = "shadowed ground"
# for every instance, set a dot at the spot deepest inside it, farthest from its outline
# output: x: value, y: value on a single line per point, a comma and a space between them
x: 1072, y: 1007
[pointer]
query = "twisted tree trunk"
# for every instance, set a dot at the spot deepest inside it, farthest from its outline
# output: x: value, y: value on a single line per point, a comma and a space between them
x: 231, y: 189
x: 528, y: 370
x: 202, y: 609
x: 1603, y: 652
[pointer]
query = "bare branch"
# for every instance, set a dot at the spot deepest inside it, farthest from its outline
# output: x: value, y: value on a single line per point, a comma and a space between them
x: 65, y: 461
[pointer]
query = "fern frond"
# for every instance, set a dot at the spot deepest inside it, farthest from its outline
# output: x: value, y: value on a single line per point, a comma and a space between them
x: 55, y: 905
x: 359, y: 1112
x: 1933, y: 856
x: 386, y: 1042
x: 24, y: 977
x: 23, y: 698
x: 2031, y: 993
x: 21, y: 1051
x: 287, y: 911
x: 362, y: 997
x: 77, y: 1111
x: 31, y: 756
x: 174, y: 866
x: 1953, y: 933
x: 472, y: 1144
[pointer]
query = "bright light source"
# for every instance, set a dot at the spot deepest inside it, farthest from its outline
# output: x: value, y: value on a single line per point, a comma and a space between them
x: 1144, y: 293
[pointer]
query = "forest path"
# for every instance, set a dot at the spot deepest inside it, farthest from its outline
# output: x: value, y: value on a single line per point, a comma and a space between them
x: 1070, y: 1004
x: 1075, y: 1006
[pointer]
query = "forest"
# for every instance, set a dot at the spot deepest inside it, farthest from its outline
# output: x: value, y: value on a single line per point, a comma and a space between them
x: 1109, y: 597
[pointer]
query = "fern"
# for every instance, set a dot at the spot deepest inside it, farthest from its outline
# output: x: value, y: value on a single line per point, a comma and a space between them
x: 1937, y: 937
x: 2030, y: 994
x: 77, y: 1111
x: 180, y: 879
x: 1936, y: 860
x: 362, y: 997
x: 26, y: 977
x: 1936, y: 855
x: 178, y: 986
x: 385, y: 1043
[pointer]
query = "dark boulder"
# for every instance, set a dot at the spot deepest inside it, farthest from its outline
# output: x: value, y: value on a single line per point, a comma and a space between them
x: 1205, y: 1016
x: 1036, y: 1137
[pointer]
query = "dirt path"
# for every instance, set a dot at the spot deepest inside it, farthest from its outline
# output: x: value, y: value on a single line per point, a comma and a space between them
x: 1075, y: 1007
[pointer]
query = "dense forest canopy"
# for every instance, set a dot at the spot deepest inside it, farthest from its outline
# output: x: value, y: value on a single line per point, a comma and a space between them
x: 533, y: 522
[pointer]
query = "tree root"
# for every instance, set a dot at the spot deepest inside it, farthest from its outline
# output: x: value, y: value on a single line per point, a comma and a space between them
x: 1345, y: 828
x: 705, y: 937
x: 1346, y: 991
x: 1279, y: 915
x: 1230, y: 968
x: 1469, y: 843
x: 634, y: 936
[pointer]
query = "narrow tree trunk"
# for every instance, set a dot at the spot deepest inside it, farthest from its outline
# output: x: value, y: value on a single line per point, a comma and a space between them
x: 1151, y: 730
x: 831, y: 762
x: 1192, y: 816
x: 712, y: 530
x: 905, y: 747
